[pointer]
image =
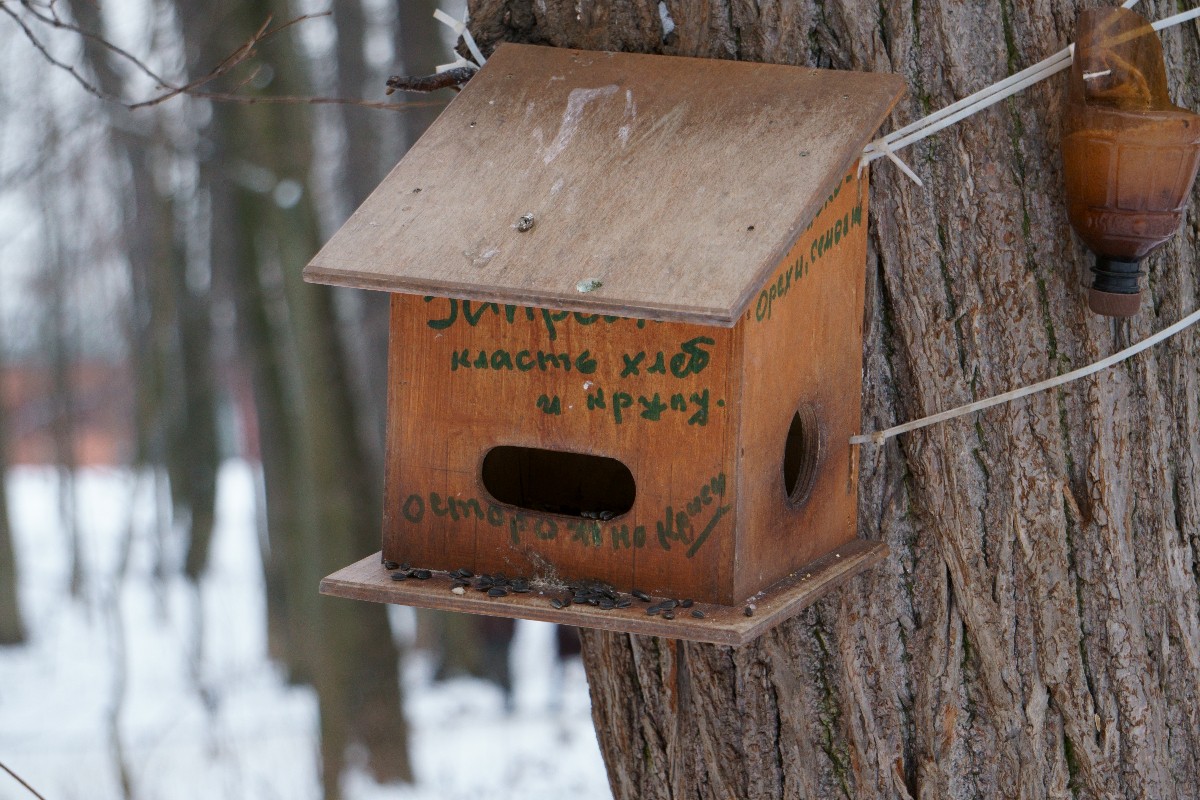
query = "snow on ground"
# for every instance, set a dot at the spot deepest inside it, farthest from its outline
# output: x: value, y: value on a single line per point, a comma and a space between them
x: 112, y: 697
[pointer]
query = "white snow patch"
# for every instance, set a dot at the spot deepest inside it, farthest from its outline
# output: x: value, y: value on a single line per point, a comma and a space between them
x: 204, y: 712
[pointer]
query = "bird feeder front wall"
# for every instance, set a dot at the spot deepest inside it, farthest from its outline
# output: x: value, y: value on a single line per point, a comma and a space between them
x: 802, y: 397
x: 494, y: 411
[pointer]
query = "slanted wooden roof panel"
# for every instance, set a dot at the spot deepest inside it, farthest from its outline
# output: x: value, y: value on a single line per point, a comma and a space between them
x: 676, y: 183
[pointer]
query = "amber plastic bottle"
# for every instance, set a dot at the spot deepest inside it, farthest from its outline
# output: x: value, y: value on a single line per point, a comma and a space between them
x: 1130, y: 155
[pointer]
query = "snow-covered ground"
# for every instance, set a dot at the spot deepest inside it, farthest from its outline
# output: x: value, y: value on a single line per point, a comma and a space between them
x: 121, y: 692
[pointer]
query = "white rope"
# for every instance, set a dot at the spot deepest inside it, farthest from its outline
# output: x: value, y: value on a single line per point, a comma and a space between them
x: 984, y: 98
x: 460, y: 29
x: 880, y: 436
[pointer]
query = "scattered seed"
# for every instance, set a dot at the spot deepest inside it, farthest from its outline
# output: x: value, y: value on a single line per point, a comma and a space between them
x: 554, y: 601
x: 399, y: 576
x: 687, y: 603
x: 624, y: 602
x: 652, y: 610
x: 640, y: 595
x: 697, y: 613
x: 668, y: 615
x: 606, y: 603
x: 606, y: 515
x: 566, y: 601
x: 459, y: 590
x: 406, y: 566
x: 422, y: 574
x: 667, y: 605
x: 748, y: 610
x: 497, y: 591
x: 390, y: 565
x: 466, y: 573
x: 459, y: 583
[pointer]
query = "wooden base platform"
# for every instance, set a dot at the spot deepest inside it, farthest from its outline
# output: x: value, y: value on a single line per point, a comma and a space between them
x: 728, y: 625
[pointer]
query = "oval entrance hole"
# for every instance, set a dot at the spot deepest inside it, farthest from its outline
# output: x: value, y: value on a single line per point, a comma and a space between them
x: 557, y: 482
x: 801, y: 452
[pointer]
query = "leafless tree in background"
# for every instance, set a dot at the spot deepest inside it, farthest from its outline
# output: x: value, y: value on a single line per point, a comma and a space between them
x: 233, y: 146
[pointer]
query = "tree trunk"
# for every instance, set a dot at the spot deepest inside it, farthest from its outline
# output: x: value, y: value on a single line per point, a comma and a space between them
x: 1036, y: 630
x: 322, y: 507
x: 12, y: 629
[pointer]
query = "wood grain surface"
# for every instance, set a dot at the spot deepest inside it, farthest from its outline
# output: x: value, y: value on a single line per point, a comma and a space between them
x: 676, y: 184
x: 722, y: 624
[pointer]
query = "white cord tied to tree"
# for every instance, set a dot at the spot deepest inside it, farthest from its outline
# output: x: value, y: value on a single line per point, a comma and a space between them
x: 886, y: 146
x: 879, y: 437
x: 931, y: 124
x: 461, y: 29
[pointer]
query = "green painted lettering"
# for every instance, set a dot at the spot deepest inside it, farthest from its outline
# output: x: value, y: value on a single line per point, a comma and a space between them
x: 585, y: 363
x: 653, y: 407
x: 549, y: 406
x: 442, y: 324
x: 631, y: 364
x: 413, y: 508
x: 620, y: 402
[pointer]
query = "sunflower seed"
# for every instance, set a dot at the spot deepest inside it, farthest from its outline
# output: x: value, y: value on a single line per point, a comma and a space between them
x: 697, y: 613
x: 668, y: 615
x: 554, y: 601
x: 624, y: 602
x: 390, y: 565
x: 640, y: 595
x: 422, y: 574
x: 687, y: 603
x: 497, y: 591
x: 399, y: 576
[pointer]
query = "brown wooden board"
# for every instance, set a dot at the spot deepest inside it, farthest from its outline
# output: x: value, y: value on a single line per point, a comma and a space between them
x: 678, y: 184
x: 802, y: 345
x: 723, y: 624
x: 659, y: 397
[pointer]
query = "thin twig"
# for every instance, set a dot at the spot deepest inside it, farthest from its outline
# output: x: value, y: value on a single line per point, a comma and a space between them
x: 21, y: 781
x: 450, y: 79
x: 50, y: 18
x: 235, y: 58
x: 285, y: 99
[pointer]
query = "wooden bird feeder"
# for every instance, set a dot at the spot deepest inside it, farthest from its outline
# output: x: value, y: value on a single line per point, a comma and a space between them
x: 626, y: 342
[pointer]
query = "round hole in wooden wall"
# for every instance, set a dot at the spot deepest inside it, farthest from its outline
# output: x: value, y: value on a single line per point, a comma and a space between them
x: 558, y: 482
x: 801, y: 453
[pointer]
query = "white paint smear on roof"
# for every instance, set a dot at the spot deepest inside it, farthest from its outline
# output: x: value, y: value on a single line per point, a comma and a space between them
x: 576, y: 101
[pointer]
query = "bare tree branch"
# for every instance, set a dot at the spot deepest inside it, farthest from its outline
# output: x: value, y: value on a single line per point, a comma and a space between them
x: 47, y: 15
x: 450, y: 79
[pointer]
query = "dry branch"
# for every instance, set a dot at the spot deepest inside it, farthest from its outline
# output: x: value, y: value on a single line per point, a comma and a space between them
x: 450, y: 79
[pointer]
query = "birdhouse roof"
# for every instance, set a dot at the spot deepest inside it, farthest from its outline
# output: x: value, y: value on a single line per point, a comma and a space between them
x: 615, y: 183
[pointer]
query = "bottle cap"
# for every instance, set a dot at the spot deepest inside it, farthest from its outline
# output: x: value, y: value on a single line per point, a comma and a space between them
x: 1114, y: 304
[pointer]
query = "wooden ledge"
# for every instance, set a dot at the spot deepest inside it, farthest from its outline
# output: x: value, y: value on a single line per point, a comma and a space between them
x: 728, y: 625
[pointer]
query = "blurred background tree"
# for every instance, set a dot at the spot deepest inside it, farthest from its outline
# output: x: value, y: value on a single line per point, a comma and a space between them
x: 172, y: 329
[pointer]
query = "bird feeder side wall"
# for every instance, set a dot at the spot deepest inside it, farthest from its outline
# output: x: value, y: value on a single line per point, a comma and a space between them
x: 467, y: 376
x: 803, y: 347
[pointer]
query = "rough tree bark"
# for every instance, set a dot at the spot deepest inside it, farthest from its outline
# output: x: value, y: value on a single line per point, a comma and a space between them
x: 1036, y: 630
